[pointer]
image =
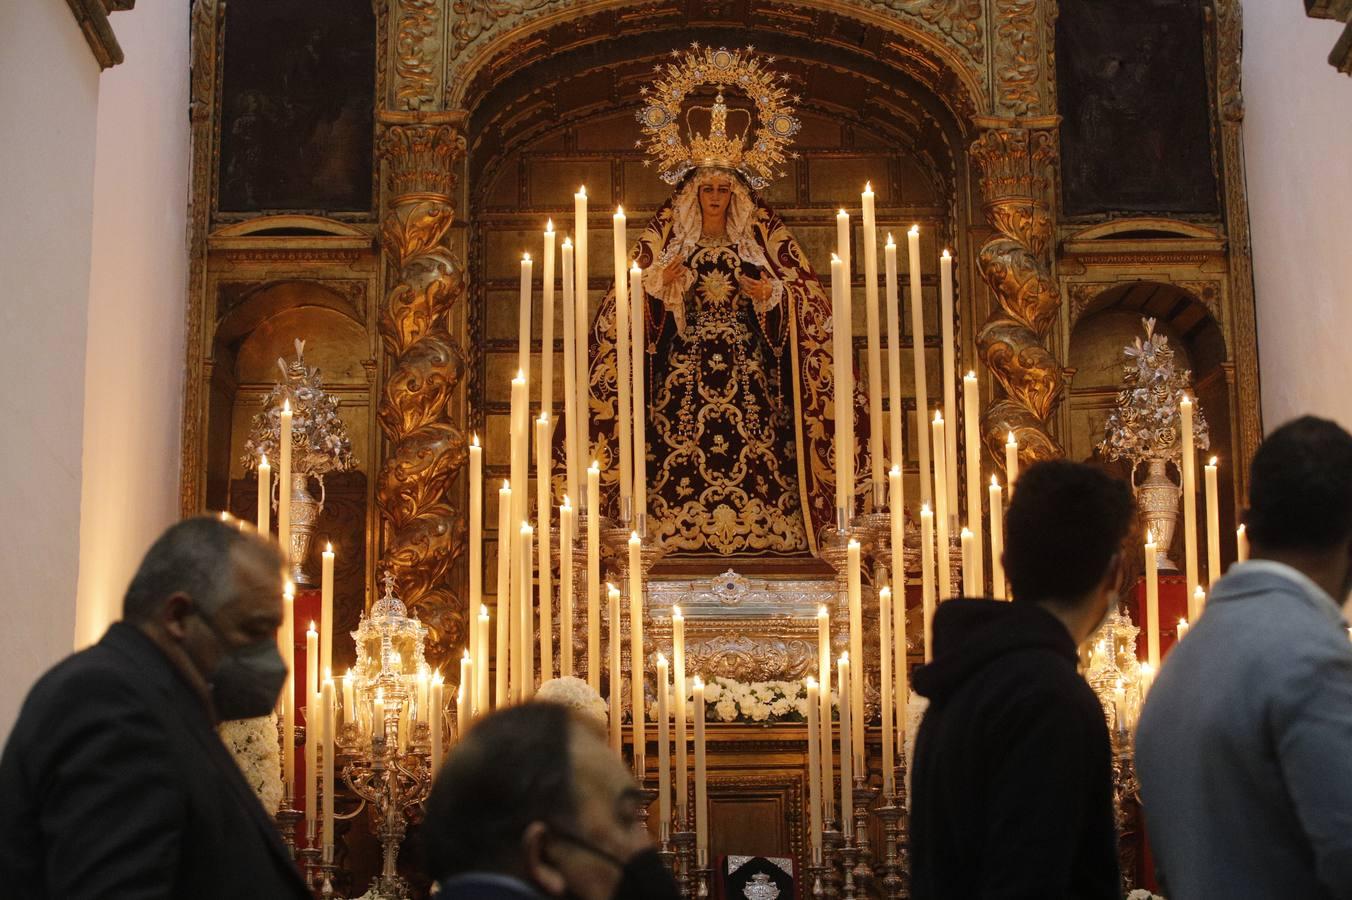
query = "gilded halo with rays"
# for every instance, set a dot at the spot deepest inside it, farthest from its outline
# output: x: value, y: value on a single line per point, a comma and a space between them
x: 743, y: 70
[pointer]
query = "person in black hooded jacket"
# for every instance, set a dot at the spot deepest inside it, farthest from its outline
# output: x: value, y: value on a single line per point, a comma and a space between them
x: 1012, y: 775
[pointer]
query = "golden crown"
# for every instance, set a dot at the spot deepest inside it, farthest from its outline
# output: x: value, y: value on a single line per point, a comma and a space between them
x: 774, y: 123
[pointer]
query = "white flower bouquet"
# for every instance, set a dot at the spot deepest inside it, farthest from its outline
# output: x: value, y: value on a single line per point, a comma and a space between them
x: 728, y: 700
x: 254, y: 745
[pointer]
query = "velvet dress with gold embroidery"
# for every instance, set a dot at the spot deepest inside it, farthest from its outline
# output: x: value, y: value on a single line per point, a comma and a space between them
x: 739, y: 393
x: 722, y: 473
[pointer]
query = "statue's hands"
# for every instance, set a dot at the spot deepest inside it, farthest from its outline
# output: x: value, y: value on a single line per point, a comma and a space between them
x: 757, y: 288
x: 673, y: 270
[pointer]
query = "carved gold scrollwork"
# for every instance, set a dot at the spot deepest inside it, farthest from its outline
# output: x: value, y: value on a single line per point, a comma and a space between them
x: 416, y: 56
x: 425, y: 448
x: 962, y: 20
x: 1018, y: 56
x: 1014, y: 264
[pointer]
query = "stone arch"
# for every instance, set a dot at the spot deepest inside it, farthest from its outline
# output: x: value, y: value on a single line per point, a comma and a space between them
x: 1108, y: 319
x: 948, y: 42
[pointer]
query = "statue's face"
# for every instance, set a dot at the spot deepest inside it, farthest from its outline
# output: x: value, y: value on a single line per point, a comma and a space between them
x: 714, y: 197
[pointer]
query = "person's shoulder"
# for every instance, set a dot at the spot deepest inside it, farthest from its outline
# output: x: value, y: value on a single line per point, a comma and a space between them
x: 95, y: 682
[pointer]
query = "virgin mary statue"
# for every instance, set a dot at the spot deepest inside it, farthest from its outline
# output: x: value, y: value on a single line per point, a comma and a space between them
x: 737, y: 335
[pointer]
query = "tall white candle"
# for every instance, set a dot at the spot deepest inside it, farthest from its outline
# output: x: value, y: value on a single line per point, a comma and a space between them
x: 329, y: 721
x: 843, y: 388
x: 679, y: 688
x: 1189, y: 471
x: 894, y: 405
x: 825, y: 677
x: 314, y: 734
x: 885, y: 682
x: 438, y: 721
x: 284, y: 484
x: 463, y: 704
x: 875, y: 355
x: 526, y: 646
x: 927, y: 577
x: 436, y: 717
x: 918, y: 345
x: 900, y: 675
x: 946, y: 319
x: 854, y: 591
x: 965, y: 541
x: 1213, y: 529
x: 572, y: 447
x: 520, y: 429
x: 566, y: 666
x: 594, y: 576
x: 636, y: 652
x: 637, y: 340
x: 1152, y: 602
x: 523, y: 322
x: 843, y: 247
x: 998, y: 589
x: 543, y: 445
x: 288, y: 639
x: 971, y: 411
x: 476, y: 548
x: 506, y: 620
x: 1241, y: 543
x: 847, y: 752
x: 701, y: 772
x: 615, y: 670
x: 663, y: 748
x: 814, y: 762
x: 582, y: 323
x: 264, y: 496
x: 481, y: 662
x: 547, y: 324
x: 349, y: 695
x: 623, y: 360
x: 942, y: 512
x: 326, y: 610
x: 1011, y: 462
x: 311, y: 667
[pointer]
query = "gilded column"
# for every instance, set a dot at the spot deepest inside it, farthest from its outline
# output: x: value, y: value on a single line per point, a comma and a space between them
x: 425, y: 449
x: 1014, y: 157
x: 1229, y: 26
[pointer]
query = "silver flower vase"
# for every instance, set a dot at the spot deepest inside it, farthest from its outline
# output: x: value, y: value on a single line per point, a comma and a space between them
x: 1158, y: 497
x: 305, y: 510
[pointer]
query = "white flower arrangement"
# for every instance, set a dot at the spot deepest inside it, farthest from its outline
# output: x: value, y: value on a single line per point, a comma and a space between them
x: 1143, y: 894
x: 575, y: 694
x: 254, y: 745
x: 728, y: 700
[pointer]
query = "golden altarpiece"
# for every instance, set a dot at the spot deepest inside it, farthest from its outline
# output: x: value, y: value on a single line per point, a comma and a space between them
x: 380, y: 208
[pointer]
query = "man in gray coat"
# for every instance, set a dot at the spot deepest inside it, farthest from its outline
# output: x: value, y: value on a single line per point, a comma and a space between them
x: 1244, y: 750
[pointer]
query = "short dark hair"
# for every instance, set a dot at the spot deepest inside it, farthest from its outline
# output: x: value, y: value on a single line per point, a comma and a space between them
x: 513, y: 767
x: 1300, y: 487
x: 1065, y: 523
x: 194, y: 557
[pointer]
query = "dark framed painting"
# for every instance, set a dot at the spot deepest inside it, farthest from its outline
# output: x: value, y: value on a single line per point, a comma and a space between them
x: 297, y: 106
x: 1135, y: 114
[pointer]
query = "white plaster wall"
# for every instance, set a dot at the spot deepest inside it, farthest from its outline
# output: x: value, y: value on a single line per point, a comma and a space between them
x: 134, y: 356
x: 1298, y: 148
x: 49, y: 85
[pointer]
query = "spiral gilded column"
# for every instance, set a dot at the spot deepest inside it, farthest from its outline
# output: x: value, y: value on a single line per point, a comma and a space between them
x: 425, y: 449
x: 1014, y: 156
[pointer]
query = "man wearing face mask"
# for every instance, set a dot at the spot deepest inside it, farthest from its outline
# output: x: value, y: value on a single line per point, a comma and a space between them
x: 1244, y: 750
x: 1011, y: 785
x: 114, y: 780
x: 534, y: 804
